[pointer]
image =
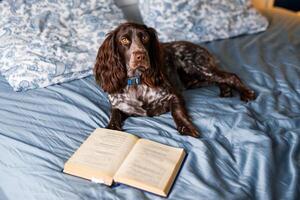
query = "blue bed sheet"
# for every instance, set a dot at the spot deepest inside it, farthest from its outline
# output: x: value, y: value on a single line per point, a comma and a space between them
x: 248, y: 150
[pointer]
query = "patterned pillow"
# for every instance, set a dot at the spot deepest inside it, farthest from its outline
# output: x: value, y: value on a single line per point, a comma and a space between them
x: 43, y: 42
x: 201, y: 20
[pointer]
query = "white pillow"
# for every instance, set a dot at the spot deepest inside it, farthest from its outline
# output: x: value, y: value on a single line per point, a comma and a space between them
x: 201, y: 20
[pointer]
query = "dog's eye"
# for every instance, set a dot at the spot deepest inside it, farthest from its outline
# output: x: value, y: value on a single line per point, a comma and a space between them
x: 145, y: 38
x: 124, y: 41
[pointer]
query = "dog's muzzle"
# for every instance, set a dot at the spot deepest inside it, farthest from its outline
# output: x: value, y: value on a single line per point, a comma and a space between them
x: 140, y: 60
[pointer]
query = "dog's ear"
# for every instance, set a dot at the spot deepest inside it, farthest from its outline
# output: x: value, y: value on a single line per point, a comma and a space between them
x: 109, y: 71
x: 154, y: 76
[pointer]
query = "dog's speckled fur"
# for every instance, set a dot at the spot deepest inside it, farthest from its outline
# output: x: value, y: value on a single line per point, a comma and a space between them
x: 165, y: 69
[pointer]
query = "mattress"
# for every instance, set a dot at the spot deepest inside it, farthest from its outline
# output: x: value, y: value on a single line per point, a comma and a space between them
x: 247, y: 150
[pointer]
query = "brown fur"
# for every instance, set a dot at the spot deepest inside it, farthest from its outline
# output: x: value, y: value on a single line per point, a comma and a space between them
x: 173, y: 66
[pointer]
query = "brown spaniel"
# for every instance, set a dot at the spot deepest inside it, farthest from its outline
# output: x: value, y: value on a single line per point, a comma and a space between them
x: 144, y: 77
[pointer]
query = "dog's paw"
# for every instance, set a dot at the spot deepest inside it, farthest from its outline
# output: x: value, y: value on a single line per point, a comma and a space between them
x: 225, y: 94
x: 248, y: 95
x: 114, y: 126
x: 225, y: 91
x: 191, y: 131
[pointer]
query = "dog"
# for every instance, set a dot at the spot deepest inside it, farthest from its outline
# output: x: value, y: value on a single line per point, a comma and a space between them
x: 144, y: 77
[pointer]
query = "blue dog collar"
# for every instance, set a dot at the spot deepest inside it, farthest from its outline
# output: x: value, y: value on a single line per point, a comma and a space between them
x: 136, y: 80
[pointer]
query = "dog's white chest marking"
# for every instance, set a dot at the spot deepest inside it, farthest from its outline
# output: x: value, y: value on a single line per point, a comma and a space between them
x: 140, y: 100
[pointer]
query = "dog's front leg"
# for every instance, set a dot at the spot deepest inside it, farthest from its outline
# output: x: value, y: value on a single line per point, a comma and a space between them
x: 181, y: 118
x: 116, y: 119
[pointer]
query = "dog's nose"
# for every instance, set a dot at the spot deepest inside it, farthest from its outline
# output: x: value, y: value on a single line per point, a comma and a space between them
x: 140, y: 56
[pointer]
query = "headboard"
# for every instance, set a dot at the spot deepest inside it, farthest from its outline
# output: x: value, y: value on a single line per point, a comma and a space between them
x: 130, y: 9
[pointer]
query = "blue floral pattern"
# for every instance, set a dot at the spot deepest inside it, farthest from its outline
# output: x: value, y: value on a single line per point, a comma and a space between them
x: 201, y: 20
x: 43, y: 42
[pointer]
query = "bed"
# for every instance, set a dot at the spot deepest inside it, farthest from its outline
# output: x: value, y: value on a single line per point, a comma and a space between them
x: 247, y: 150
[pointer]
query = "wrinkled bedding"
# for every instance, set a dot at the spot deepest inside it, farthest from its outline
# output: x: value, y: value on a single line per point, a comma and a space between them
x: 248, y: 150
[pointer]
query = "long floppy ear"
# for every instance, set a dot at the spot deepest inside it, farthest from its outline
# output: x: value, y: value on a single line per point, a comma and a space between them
x: 109, y: 71
x: 154, y: 76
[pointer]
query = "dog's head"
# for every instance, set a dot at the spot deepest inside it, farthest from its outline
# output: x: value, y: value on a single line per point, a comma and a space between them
x: 129, y: 50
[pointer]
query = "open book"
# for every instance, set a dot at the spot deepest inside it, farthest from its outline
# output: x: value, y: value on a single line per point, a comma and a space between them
x: 109, y: 155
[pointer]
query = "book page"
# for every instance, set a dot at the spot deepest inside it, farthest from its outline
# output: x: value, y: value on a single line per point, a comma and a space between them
x: 100, y: 156
x: 151, y: 166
